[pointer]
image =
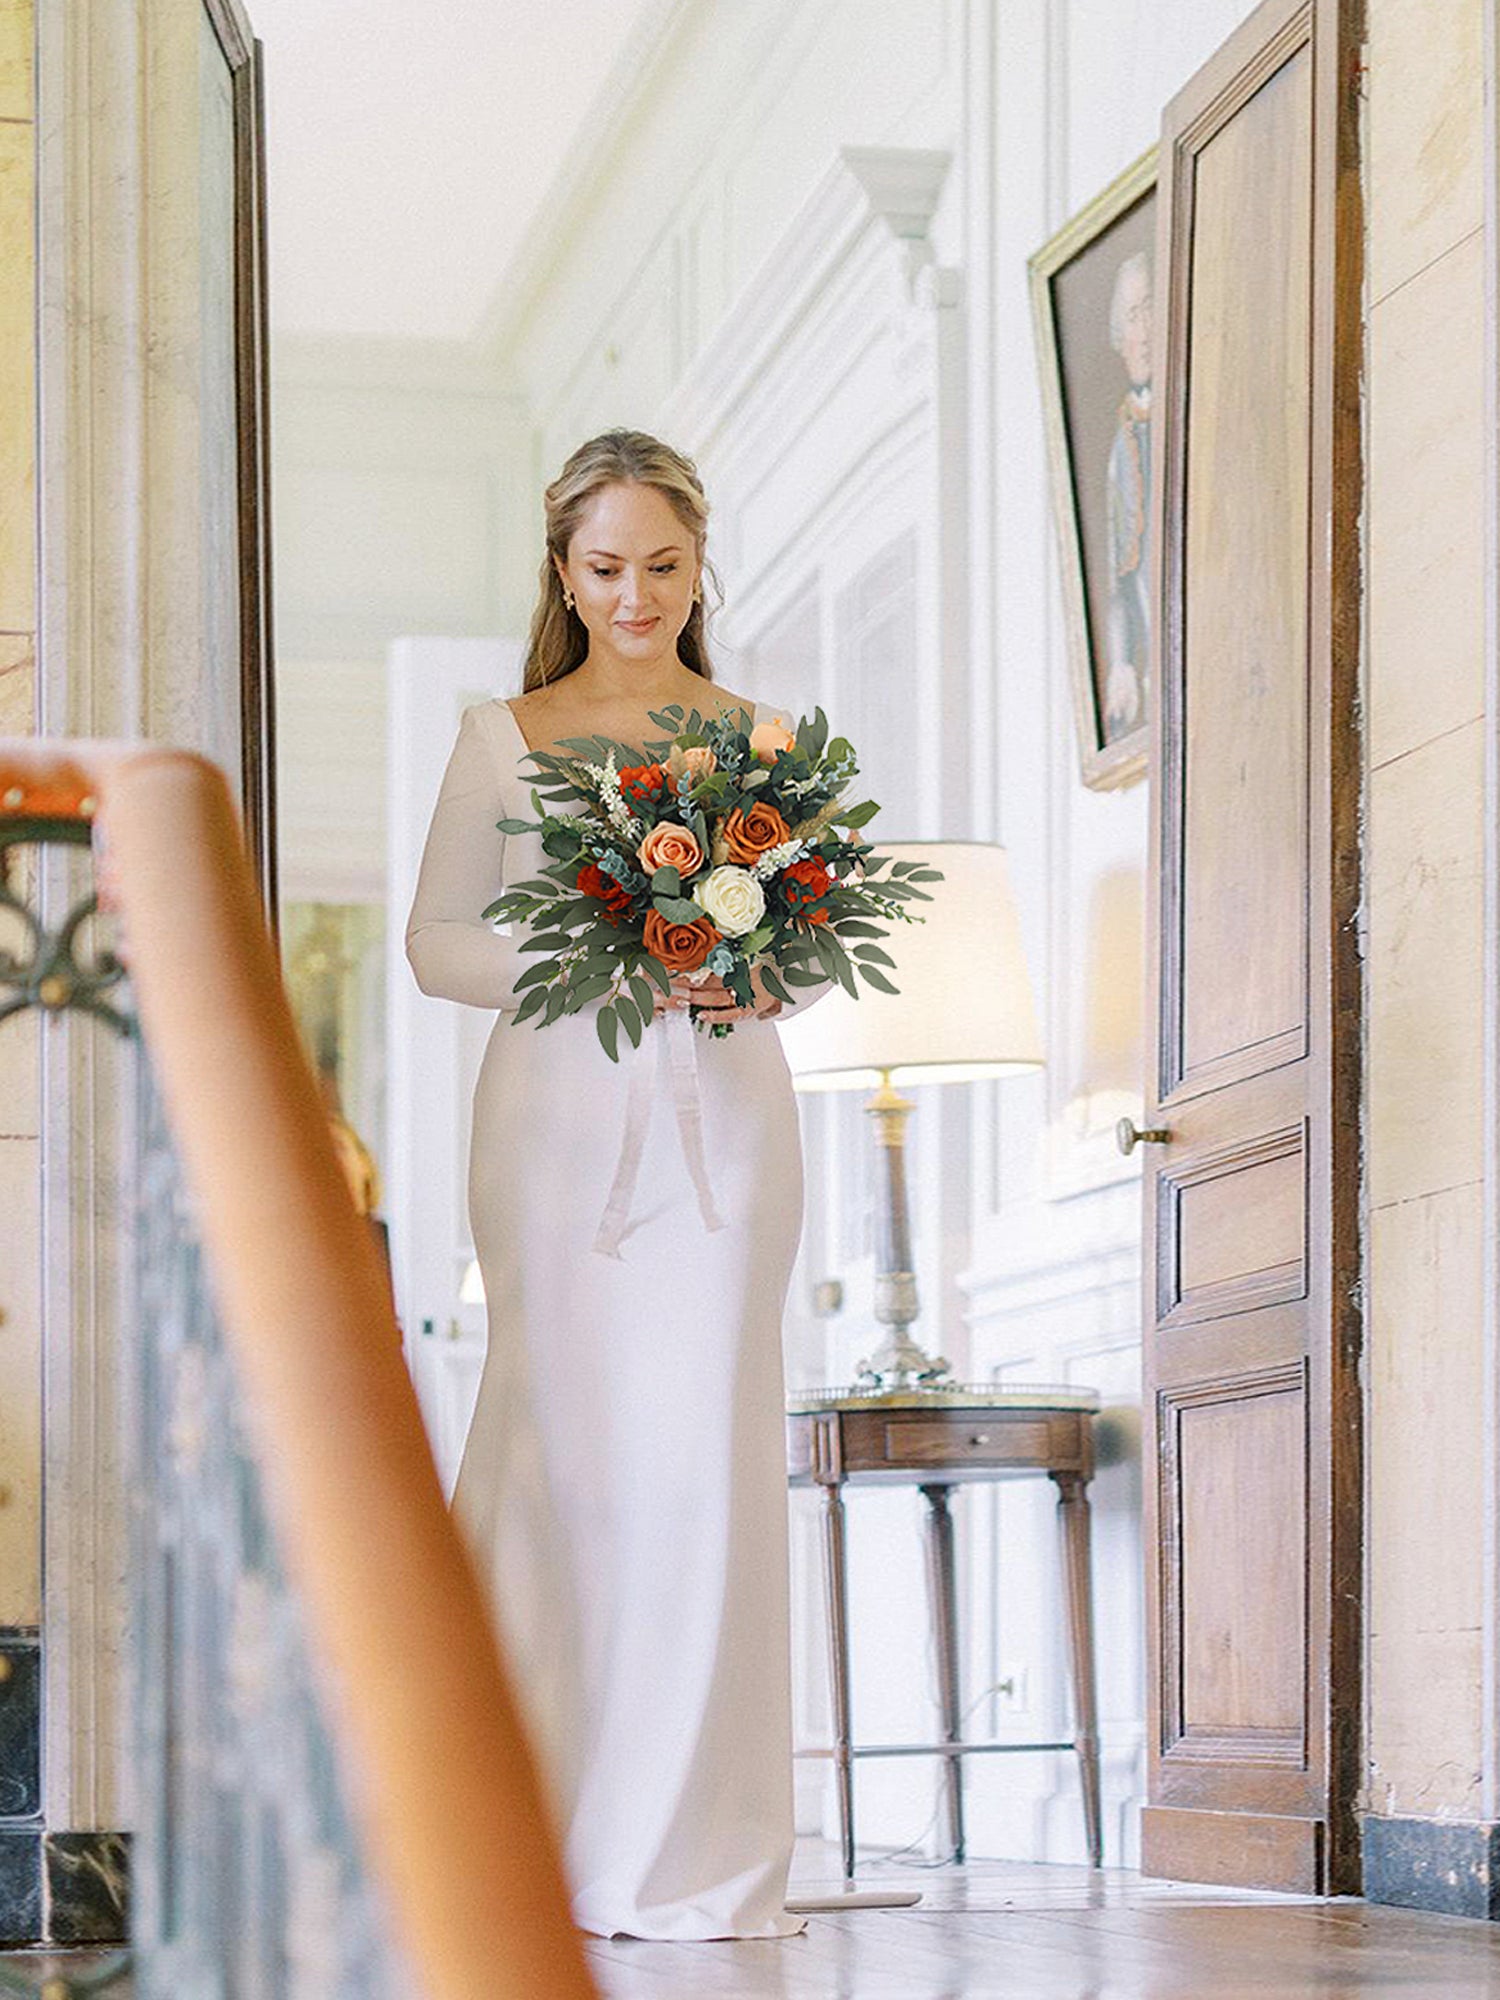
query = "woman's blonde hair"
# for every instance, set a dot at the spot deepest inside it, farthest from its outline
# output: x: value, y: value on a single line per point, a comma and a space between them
x: 558, y: 642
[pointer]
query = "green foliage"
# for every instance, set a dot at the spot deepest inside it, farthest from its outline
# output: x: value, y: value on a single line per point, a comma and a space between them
x: 609, y: 1032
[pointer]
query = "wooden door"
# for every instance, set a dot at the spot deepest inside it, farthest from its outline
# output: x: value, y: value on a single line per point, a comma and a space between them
x: 1251, y: 1321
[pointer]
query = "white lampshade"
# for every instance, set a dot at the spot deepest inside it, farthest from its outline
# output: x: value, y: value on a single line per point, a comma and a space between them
x: 964, y: 1009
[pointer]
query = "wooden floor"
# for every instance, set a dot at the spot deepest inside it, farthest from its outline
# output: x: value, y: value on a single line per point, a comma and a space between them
x: 1000, y: 1930
x: 1009, y: 1929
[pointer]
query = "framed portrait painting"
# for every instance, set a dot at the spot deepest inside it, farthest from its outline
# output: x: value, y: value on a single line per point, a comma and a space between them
x: 1091, y: 292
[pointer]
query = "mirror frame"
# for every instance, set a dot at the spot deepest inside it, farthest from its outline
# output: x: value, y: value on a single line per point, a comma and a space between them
x: 242, y: 56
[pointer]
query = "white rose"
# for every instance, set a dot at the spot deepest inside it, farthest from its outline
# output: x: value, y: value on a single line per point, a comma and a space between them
x: 731, y: 899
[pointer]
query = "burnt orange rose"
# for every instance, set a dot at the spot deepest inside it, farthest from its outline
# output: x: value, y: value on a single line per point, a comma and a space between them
x: 679, y: 947
x: 749, y: 835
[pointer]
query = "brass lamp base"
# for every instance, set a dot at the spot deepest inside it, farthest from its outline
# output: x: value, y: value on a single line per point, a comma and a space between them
x: 900, y: 1364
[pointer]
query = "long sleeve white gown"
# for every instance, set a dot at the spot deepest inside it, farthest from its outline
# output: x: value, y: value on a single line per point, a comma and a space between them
x: 623, y: 1487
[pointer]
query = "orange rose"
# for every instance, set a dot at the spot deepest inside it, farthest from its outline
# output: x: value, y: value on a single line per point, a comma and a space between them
x: 749, y: 835
x: 678, y: 947
x: 668, y: 846
x: 698, y: 762
x: 766, y: 738
x: 642, y: 784
x: 804, y: 885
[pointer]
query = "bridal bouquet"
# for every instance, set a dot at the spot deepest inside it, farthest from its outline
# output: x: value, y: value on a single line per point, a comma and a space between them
x: 729, y: 849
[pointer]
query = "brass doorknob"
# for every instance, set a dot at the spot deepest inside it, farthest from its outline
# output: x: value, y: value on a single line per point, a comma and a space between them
x: 1128, y: 1135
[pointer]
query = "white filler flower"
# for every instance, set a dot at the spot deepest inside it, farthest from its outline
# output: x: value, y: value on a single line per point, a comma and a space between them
x: 731, y: 898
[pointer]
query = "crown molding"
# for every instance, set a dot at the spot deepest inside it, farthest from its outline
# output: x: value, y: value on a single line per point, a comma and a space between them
x: 871, y: 199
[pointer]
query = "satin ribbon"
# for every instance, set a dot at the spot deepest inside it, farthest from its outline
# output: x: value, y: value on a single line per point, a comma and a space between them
x: 677, y: 1054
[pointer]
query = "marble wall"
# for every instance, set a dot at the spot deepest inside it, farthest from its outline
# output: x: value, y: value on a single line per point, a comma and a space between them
x: 20, y: 1110
x: 1428, y: 1441
x: 20, y: 1147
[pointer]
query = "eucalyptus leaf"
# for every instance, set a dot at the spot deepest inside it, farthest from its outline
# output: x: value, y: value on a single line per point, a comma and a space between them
x: 532, y: 1004
x: 609, y: 1031
x: 594, y: 962
x: 630, y: 1018
x: 667, y: 882
x: 679, y: 909
x: 878, y: 979
x: 859, y: 815
x: 644, y: 998
x: 589, y: 989
x: 533, y: 975
x: 774, y: 986
x: 869, y: 954
x: 557, y: 999
x: 654, y: 969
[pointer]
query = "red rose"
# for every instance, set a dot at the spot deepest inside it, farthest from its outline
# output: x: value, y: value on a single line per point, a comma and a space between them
x: 593, y: 881
x: 642, y: 784
x: 804, y: 885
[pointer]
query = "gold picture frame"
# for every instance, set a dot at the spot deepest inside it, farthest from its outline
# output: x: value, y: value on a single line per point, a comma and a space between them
x: 1092, y: 289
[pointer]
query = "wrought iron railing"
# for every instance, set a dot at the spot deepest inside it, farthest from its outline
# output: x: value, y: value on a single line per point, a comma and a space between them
x: 248, y: 1878
x: 252, y: 1610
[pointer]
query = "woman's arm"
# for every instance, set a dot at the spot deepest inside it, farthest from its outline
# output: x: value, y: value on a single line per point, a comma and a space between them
x: 453, y: 952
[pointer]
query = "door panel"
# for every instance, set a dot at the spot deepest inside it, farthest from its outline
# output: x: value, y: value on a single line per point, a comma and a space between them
x: 1251, y: 1328
x: 1244, y: 583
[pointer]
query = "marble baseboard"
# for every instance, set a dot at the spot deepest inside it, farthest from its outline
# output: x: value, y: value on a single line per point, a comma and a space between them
x: 88, y: 1887
x: 20, y: 1723
x: 20, y: 1885
x: 1451, y: 1866
x: 63, y: 1888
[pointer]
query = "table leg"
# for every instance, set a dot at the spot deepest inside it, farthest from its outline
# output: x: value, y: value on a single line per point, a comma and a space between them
x: 943, y: 1597
x: 836, y: 1591
x: 1073, y: 1512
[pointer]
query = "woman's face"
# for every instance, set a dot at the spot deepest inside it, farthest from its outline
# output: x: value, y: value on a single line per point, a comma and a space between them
x: 631, y: 566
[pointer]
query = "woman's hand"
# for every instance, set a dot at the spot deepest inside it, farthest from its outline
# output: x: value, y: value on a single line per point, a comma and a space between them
x: 716, y: 1003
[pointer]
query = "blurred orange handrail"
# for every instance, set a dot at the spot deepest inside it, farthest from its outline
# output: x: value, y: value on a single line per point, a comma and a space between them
x: 443, y: 1783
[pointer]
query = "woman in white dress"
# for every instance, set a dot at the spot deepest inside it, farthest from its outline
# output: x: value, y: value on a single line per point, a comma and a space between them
x: 623, y: 1487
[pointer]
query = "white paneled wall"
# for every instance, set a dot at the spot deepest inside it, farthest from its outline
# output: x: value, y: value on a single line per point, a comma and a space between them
x: 802, y: 258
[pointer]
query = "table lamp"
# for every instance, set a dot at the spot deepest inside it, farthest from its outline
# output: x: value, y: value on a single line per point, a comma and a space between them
x: 964, y: 1011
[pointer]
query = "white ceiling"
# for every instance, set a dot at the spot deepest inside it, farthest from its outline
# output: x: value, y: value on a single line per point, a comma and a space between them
x: 409, y: 146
